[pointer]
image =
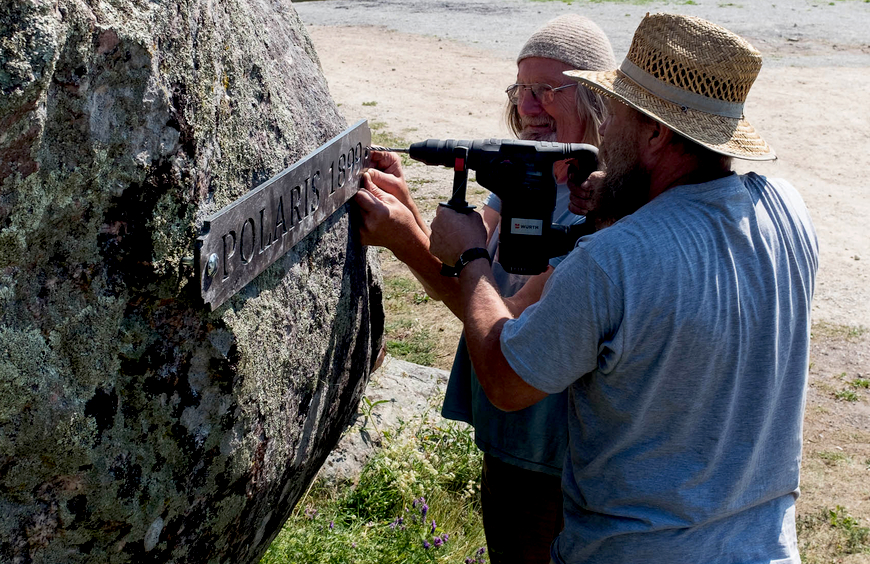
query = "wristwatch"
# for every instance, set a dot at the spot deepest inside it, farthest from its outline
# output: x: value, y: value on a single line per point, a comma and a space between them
x: 465, y: 258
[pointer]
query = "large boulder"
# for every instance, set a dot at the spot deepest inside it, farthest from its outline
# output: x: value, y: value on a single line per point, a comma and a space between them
x: 135, y: 425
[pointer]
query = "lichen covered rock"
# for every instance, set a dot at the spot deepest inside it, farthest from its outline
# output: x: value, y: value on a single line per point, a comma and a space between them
x: 134, y: 424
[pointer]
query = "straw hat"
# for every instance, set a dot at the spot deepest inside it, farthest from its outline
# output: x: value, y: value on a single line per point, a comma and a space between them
x: 692, y: 76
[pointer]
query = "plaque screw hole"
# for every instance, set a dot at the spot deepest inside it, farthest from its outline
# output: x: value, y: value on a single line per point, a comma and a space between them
x: 212, y: 265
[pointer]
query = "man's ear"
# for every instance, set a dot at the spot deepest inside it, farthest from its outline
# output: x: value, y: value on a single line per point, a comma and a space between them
x: 658, y: 136
x: 656, y: 139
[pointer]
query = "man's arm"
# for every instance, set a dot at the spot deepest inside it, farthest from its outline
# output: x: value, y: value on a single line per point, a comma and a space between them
x: 485, y: 314
x: 483, y: 311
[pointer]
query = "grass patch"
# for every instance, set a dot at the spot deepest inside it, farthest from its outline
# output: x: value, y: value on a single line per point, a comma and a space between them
x: 405, y: 336
x: 832, y: 457
x: 831, y: 532
x: 416, y: 347
x: 369, y: 104
x: 835, y: 331
x: 381, y: 136
x: 415, y: 502
x: 861, y: 383
x: 846, y: 395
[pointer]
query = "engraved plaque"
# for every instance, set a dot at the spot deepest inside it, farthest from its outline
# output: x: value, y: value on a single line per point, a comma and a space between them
x: 241, y: 240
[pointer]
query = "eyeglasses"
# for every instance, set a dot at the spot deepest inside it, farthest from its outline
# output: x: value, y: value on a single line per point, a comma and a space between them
x: 543, y: 93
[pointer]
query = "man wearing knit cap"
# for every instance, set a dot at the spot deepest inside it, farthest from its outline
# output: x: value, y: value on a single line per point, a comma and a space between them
x: 682, y: 330
x: 523, y: 452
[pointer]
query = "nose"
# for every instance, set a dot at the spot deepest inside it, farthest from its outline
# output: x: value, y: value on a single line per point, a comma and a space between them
x: 527, y: 104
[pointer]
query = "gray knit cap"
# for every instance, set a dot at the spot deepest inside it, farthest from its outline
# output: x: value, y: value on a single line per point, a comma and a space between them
x: 574, y: 40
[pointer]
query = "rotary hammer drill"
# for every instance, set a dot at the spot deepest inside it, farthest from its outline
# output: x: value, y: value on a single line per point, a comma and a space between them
x: 520, y: 173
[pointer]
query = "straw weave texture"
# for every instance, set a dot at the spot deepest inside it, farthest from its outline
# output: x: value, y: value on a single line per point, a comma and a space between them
x: 699, y: 57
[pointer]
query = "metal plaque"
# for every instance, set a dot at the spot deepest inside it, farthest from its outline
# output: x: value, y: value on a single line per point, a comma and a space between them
x: 241, y: 240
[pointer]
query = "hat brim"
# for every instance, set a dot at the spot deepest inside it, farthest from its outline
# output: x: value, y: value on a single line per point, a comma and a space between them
x: 724, y: 135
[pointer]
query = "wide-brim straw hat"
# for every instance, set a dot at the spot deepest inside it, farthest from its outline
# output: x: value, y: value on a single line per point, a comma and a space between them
x: 692, y: 76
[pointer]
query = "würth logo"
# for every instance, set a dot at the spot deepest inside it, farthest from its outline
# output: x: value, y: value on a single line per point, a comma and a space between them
x: 520, y: 226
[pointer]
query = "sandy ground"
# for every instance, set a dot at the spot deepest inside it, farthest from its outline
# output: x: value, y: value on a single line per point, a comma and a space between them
x: 817, y: 119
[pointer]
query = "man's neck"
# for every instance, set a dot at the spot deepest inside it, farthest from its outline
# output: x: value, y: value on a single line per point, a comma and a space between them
x: 680, y: 173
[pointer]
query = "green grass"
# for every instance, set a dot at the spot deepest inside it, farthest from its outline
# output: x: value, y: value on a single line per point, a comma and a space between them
x: 835, y: 331
x: 406, y: 338
x: 372, y: 103
x: 381, y: 519
x: 832, y: 457
x: 831, y: 533
x: 856, y: 537
x: 846, y: 395
x: 384, y: 138
x: 416, y: 347
x: 861, y: 383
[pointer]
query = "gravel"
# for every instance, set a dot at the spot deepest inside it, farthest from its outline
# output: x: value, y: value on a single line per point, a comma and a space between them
x: 800, y: 33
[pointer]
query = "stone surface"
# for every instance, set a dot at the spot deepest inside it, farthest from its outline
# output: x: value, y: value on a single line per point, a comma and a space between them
x: 398, y: 392
x: 134, y: 425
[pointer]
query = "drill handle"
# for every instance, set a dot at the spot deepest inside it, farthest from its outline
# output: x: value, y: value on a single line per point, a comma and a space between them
x: 457, y: 201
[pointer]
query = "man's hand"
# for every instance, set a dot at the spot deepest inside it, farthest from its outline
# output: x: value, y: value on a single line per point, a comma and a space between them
x: 386, y: 221
x: 387, y: 175
x: 585, y: 196
x: 454, y: 233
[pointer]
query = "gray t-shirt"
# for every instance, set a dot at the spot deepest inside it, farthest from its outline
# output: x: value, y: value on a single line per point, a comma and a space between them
x: 682, y: 332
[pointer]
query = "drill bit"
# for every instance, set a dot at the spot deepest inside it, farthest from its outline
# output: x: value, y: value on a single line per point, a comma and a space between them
x: 387, y: 149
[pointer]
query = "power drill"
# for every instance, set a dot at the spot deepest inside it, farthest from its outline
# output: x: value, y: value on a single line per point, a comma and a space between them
x: 520, y: 173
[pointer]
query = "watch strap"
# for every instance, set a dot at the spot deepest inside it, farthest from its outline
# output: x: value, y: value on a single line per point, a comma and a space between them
x: 465, y: 258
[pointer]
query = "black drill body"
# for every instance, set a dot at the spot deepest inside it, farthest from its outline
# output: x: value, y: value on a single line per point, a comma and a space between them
x: 520, y: 173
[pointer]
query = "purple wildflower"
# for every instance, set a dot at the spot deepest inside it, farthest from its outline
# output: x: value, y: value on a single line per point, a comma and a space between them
x: 394, y: 523
x: 400, y: 520
x: 331, y: 525
x: 445, y: 537
x: 353, y: 545
x: 481, y: 551
x: 437, y: 541
x: 468, y: 561
x: 414, y: 503
x: 424, y: 510
x: 434, y: 526
x: 426, y: 545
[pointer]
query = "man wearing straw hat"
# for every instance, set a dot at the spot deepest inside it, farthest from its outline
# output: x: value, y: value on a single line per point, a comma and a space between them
x: 682, y: 330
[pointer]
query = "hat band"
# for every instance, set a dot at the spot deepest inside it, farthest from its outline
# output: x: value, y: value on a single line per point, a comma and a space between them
x: 679, y: 96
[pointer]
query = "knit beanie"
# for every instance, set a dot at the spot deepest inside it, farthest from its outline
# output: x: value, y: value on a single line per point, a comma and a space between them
x: 574, y: 40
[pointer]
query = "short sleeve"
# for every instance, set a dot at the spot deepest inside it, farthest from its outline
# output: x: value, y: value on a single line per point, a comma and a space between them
x: 494, y: 202
x: 573, y: 330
